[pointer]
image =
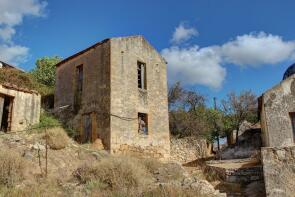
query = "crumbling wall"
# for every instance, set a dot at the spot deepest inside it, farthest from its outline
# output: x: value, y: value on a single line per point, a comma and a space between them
x: 279, y: 171
x: 188, y: 149
x: 277, y: 104
x: 127, y: 100
x: 95, y: 93
x: 26, y: 108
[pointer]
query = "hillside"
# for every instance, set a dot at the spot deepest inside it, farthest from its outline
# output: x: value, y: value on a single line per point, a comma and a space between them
x: 81, y: 170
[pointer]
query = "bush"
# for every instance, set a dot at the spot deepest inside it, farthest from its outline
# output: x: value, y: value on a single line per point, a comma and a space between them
x: 56, y: 138
x: 48, y: 120
x: 23, y: 80
x: 116, y: 172
x: 12, y: 167
x: 47, y: 189
x: 171, y: 191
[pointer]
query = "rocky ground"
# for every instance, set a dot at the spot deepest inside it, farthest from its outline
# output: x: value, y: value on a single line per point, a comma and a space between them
x: 62, y: 168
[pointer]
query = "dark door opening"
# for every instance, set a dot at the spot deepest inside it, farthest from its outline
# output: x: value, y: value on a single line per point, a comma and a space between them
x: 6, y: 103
x: 88, y: 133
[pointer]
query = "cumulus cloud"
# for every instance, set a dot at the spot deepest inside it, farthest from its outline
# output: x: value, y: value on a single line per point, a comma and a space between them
x: 12, y: 13
x: 6, y: 33
x: 13, y: 54
x: 183, y: 33
x: 194, y: 65
x: 205, y: 66
x: 257, y: 50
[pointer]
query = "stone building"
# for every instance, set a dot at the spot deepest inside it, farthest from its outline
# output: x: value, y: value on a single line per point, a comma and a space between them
x: 116, y: 91
x: 19, y: 107
x: 277, y: 116
x: 277, y: 112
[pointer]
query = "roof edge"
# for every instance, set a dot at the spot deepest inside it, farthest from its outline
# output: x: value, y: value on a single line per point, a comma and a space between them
x: 11, y: 66
x: 81, y: 52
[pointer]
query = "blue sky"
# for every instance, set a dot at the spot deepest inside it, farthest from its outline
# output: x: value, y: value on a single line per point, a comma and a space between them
x: 211, y: 46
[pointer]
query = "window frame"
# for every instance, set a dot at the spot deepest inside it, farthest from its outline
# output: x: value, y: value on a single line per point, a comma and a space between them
x: 141, y: 75
x: 146, y: 120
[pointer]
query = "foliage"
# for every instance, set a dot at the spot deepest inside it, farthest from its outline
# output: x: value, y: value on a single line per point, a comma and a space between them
x: 57, y: 138
x: 189, y: 115
x: 115, y: 172
x: 239, y: 107
x: 12, y: 167
x: 44, y: 72
x: 46, y: 121
x: 187, y: 111
x: 22, y: 80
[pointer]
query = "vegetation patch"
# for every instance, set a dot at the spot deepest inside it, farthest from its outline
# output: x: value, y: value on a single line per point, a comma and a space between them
x: 23, y: 80
x: 57, y: 138
x: 116, y: 172
x: 12, y: 168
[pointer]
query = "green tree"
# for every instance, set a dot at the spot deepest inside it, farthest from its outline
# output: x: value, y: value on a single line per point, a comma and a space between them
x: 44, y: 72
x: 186, y: 111
x: 238, y: 108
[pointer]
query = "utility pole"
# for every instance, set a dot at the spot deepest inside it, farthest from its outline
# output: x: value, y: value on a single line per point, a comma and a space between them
x: 215, y: 124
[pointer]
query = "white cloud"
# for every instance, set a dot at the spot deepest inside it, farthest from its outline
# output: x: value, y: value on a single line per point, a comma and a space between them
x: 194, y: 65
x: 182, y: 34
x: 257, y: 50
x: 6, y: 33
x: 13, y: 54
x: 205, y: 66
x: 12, y: 13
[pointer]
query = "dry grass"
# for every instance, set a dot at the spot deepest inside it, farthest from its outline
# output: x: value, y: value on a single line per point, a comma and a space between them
x: 23, y: 80
x: 115, y: 173
x: 151, y: 164
x: 47, y: 189
x: 57, y: 138
x: 12, y: 168
x: 172, y: 191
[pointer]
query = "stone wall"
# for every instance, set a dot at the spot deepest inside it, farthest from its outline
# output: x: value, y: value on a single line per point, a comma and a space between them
x: 127, y: 100
x: 279, y: 171
x: 275, y: 108
x: 110, y: 89
x: 25, y: 109
x: 188, y: 149
x: 236, y: 170
x: 95, y: 93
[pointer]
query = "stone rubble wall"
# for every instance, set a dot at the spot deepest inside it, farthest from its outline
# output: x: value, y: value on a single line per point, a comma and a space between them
x: 243, y: 174
x: 188, y: 149
x: 279, y: 171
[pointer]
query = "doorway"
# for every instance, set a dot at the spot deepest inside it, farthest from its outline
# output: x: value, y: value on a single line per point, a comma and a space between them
x: 6, y: 103
x: 89, y: 133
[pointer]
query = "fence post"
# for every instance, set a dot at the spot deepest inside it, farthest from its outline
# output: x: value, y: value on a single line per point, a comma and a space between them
x: 46, y: 151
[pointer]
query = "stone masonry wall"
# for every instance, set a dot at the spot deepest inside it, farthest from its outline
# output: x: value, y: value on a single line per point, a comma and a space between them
x: 95, y: 92
x: 279, y: 171
x: 26, y: 108
x: 188, y: 149
x: 127, y: 100
x: 277, y: 104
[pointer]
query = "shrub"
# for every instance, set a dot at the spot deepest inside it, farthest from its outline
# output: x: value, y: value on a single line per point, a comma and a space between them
x: 117, y: 172
x: 171, y: 191
x: 48, y: 120
x: 47, y: 189
x: 57, y: 138
x: 12, y: 167
x: 151, y: 164
x: 23, y: 80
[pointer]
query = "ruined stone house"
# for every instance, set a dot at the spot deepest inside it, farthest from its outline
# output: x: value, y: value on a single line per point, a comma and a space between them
x: 277, y: 112
x: 277, y: 116
x: 116, y: 91
x: 19, y: 107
